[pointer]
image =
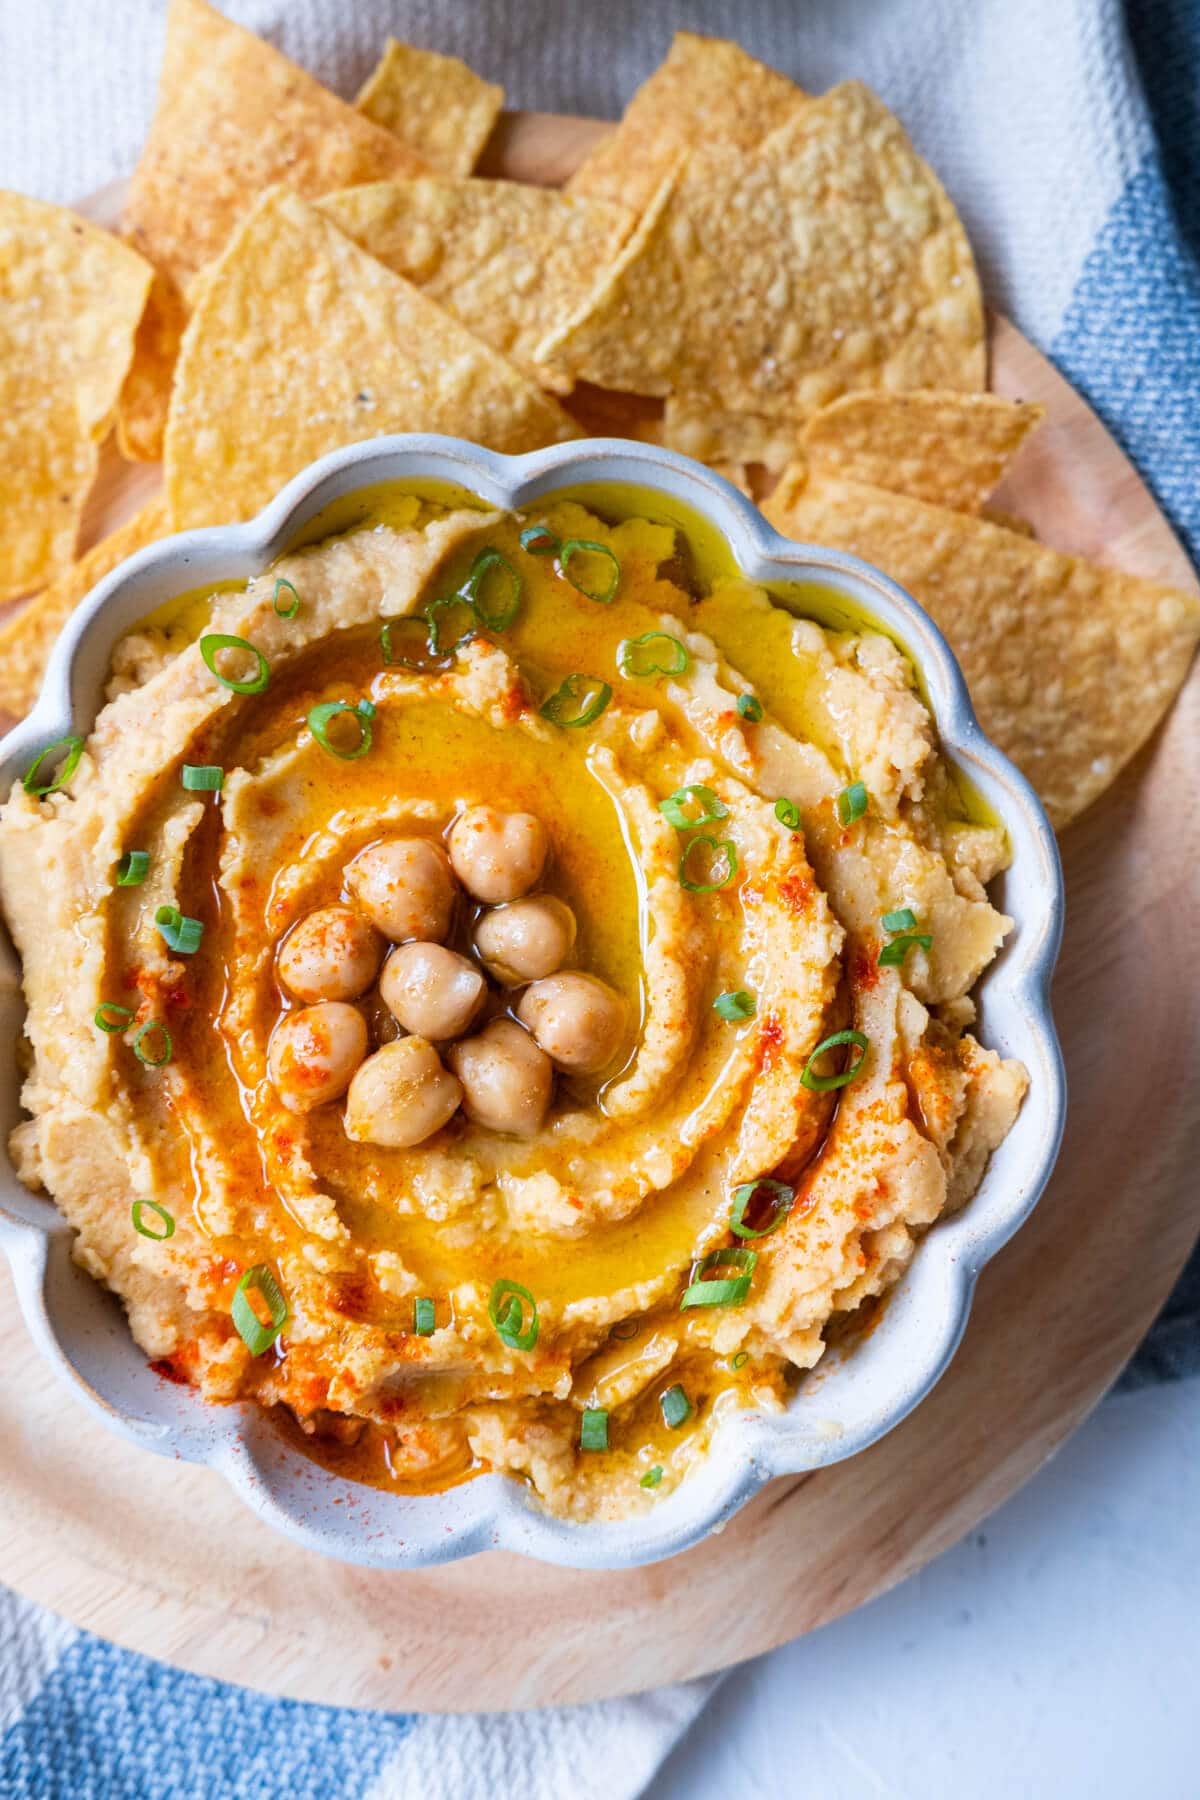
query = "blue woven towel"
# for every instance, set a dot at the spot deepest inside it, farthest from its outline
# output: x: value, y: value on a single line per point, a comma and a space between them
x: 1070, y: 137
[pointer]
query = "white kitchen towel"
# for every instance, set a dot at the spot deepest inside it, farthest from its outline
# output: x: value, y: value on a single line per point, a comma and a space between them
x: 1068, y: 133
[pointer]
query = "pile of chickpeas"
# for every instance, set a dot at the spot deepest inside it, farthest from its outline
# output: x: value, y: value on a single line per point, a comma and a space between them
x: 406, y: 894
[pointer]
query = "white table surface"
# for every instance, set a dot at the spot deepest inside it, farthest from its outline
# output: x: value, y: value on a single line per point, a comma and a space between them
x: 1055, y: 1652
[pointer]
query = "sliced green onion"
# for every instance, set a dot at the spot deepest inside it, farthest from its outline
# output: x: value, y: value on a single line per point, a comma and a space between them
x: 216, y: 641
x: 593, y: 1429
x: 506, y: 1310
x: 788, y: 813
x: 740, y: 1360
x: 641, y: 668
x: 852, y: 803
x: 724, y: 851
x: 903, y: 920
x: 144, y: 1056
x: 203, y: 778
x: 676, y: 1407
x: 737, y: 1004
x: 584, y: 547
x: 539, y: 540
x: 823, y: 1084
x: 725, y: 1290
x: 782, y: 1197
x: 423, y: 1317
x: 256, y: 1336
x: 321, y: 717
x: 137, y: 1212
x: 558, y: 708
x: 449, y: 604
x: 74, y: 749
x: 749, y: 708
x: 652, y: 1477
x: 289, y: 610
x: 892, y: 955
x: 711, y: 809
x: 418, y: 629
x: 133, y: 868
x: 110, y: 1017
x: 180, y: 933
x: 504, y: 613
x: 625, y: 1330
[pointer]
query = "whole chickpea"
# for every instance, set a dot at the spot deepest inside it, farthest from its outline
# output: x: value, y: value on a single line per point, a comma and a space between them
x: 405, y: 887
x: 498, y: 855
x: 313, y: 1054
x: 577, y: 1020
x: 401, y: 1095
x: 431, y: 990
x: 506, y: 1080
x: 333, y: 954
x: 526, y: 939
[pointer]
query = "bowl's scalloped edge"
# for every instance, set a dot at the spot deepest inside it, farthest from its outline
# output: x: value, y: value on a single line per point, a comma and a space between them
x: 492, y: 1511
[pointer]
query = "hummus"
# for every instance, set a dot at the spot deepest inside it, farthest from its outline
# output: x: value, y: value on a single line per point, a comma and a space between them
x: 664, y: 1223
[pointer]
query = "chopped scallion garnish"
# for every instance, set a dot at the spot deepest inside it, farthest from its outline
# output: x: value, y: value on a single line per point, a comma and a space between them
x: 674, y: 807
x: 740, y: 1360
x: 110, y: 1018
x: 722, y: 864
x: 502, y: 609
x: 788, y: 813
x: 723, y: 1290
x: 211, y: 646
x: 424, y: 1317
x: 654, y: 653
x: 603, y: 590
x: 737, y: 1004
x: 852, y: 802
x: 506, y: 1309
x: 133, y: 868
x: 539, y: 540
x: 823, y: 1084
x: 442, y: 618
x: 749, y: 708
x: 74, y: 750
x: 415, y: 631
x: 905, y: 919
x: 676, y: 1407
x: 569, y: 706
x: 625, y: 1330
x: 203, y: 778
x: 256, y: 1336
x: 321, y: 718
x: 652, y: 1477
x: 593, y: 1429
x: 781, y: 1196
x: 291, y: 607
x: 892, y: 955
x: 143, y: 1055
x: 179, y: 933
x: 137, y: 1213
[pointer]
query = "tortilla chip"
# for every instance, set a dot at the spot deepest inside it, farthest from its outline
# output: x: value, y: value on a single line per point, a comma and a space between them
x: 435, y: 104
x: 949, y: 449
x: 772, y: 281
x: 707, y: 91
x: 301, y: 342
x: 71, y: 296
x: 27, y: 639
x: 234, y: 117
x: 1070, y: 666
x: 511, y: 262
x: 146, y: 395
x: 697, y: 428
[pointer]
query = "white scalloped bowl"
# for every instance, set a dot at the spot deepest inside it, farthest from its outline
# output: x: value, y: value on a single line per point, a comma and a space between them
x: 80, y: 1328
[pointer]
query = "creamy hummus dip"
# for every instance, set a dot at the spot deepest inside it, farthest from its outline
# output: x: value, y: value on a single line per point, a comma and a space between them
x: 431, y: 993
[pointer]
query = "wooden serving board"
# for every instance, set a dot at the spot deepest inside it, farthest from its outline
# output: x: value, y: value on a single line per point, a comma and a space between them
x: 161, y: 1557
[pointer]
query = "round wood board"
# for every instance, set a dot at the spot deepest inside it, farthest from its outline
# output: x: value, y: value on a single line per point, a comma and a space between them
x: 161, y: 1557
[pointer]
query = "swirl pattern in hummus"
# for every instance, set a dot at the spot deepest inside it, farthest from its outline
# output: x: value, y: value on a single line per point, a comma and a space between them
x: 602, y: 1213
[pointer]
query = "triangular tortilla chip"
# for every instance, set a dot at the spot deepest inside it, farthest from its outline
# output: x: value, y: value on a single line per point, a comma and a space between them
x: 708, y: 91
x: 301, y: 342
x: 772, y: 281
x: 435, y: 104
x: 949, y: 449
x: 719, y: 438
x: 71, y: 296
x: 146, y: 395
x: 1070, y: 666
x: 27, y: 640
x: 234, y: 117
x: 512, y: 262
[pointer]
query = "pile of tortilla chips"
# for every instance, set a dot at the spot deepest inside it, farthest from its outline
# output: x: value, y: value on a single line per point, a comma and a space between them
x: 772, y: 282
